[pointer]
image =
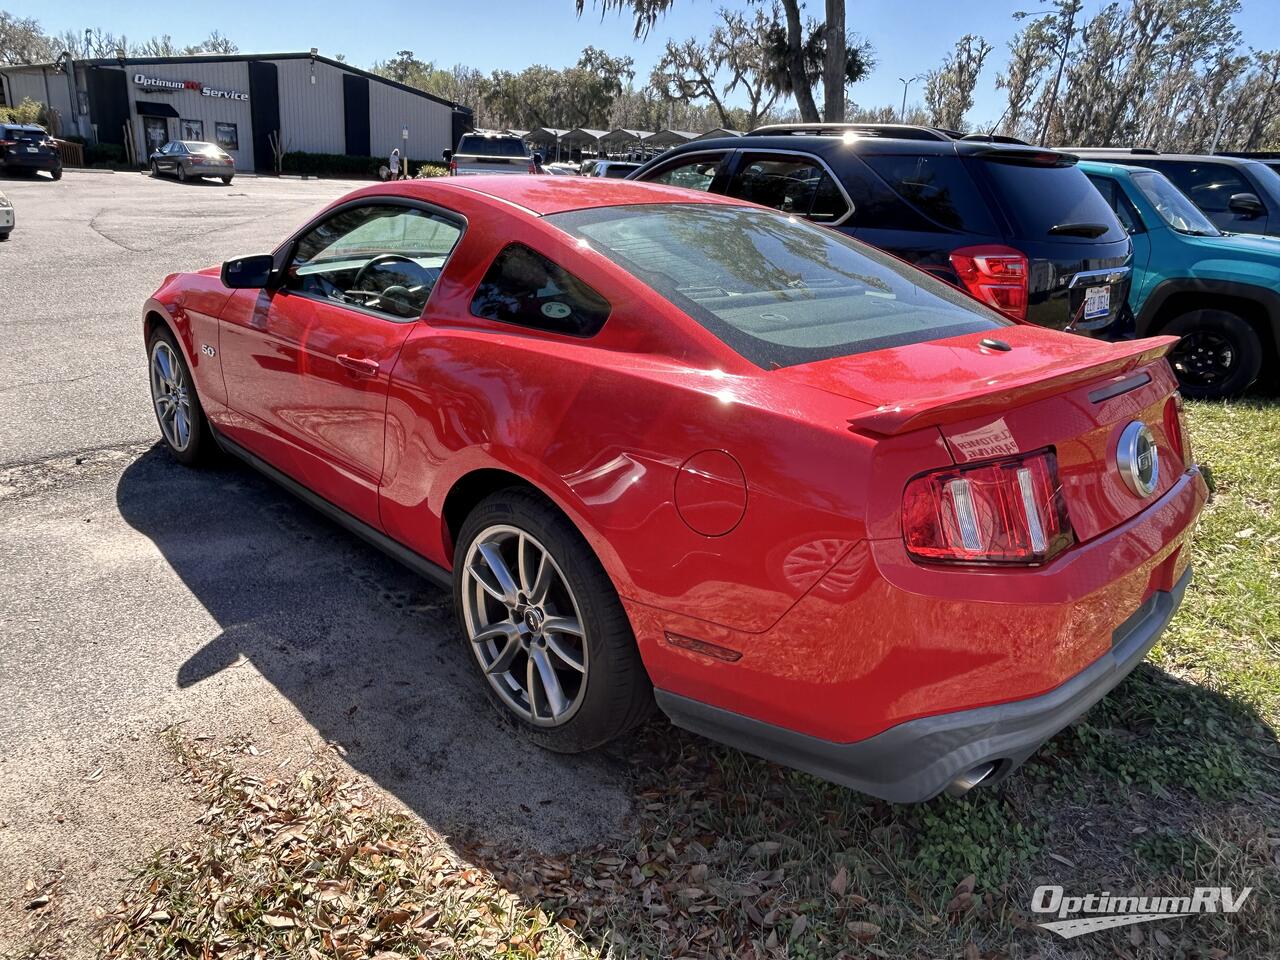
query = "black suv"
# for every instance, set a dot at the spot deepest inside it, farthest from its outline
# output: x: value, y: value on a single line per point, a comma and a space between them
x: 1019, y: 227
x: 1240, y: 195
x: 26, y: 148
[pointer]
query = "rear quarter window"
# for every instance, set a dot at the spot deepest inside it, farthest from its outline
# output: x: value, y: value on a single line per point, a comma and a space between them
x: 524, y: 288
x: 1038, y: 198
x: 938, y: 187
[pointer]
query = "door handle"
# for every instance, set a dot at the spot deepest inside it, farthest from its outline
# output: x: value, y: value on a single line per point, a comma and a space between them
x: 359, y: 365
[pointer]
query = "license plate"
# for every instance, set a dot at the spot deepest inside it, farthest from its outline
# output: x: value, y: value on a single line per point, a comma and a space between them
x: 33, y: 149
x: 1097, y: 302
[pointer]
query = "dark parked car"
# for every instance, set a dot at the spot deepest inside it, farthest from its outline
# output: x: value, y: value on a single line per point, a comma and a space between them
x: 193, y: 159
x: 1237, y: 194
x: 1019, y: 227
x: 28, y: 148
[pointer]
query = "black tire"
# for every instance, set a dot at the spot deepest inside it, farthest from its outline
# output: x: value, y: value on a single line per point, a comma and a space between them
x: 227, y: 181
x: 4, y: 236
x: 57, y: 173
x: 182, y: 173
x: 155, y: 169
x: 1219, y: 355
x: 201, y: 446
x: 618, y: 694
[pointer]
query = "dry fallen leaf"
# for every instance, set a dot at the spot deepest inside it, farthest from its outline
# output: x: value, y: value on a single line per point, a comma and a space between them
x: 840, y: 882
x: 862, y: 930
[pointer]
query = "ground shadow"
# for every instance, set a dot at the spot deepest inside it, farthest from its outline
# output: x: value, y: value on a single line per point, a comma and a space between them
x: 366, y: 651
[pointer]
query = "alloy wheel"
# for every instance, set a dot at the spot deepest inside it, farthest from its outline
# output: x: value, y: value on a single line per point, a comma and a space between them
x: 1203, y: 358
x: 524, y: 625
x: 171, y: 395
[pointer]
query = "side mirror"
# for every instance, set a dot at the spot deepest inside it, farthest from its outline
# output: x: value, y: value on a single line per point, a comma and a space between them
x: 448, y: 155
x: 1245, y: 204
x: 248, y: 273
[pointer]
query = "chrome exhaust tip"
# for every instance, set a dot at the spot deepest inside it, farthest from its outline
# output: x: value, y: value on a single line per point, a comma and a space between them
x: 969, y: 779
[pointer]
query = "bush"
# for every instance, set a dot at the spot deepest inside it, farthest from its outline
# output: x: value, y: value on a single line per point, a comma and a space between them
x: 28, y: 111
x: 344, y: 165
x: 107, y: 154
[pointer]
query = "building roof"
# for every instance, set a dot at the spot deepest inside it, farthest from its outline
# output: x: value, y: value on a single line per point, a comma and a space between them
x: 718, y: 132
x: 240, y: 57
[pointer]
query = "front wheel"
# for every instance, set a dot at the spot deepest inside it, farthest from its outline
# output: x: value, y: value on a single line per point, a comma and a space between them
x: 545, y: 626
x: 155, y: 169
x: 174, y: 398
x: 1218, y: 356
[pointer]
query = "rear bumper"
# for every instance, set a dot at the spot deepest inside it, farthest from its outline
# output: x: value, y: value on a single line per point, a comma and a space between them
x: 211, y: 170
x: 916, y: 760
x: 28, y: 162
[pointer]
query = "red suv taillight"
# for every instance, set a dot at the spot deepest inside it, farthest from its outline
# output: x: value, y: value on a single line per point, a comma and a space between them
x: 453, y: 168
x: 995, y: 275
x: 1004, y: 511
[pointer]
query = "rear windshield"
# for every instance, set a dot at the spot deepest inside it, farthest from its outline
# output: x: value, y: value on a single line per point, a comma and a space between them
x: 25, y: 133
x: 196, y: 146
x: 619, y: 171
x: 777, y: 289
x: 1056, y: 203
x: 492, y: 147
x: 937, y: 186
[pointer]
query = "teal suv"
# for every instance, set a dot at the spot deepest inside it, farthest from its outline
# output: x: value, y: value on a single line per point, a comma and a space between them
x: 1219, y: 292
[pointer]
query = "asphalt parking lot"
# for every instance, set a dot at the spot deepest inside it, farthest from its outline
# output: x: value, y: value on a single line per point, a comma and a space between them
x: 138, y: 594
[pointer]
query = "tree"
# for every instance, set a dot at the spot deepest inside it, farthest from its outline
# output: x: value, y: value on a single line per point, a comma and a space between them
x: 797, y: 51
x: 835, y: 63
x: 23, y: 41
x: 949, y: 89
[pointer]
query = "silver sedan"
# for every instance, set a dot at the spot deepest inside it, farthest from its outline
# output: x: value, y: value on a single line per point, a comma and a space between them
x: 187, y: 159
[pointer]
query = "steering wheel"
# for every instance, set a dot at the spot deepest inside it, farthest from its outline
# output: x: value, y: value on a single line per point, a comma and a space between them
x: 379, y: 259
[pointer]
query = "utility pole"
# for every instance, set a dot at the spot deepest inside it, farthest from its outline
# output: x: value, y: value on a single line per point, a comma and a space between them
x: 906, y: 82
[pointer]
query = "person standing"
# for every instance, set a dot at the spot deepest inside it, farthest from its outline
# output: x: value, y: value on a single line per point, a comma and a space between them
x: 393, y: 163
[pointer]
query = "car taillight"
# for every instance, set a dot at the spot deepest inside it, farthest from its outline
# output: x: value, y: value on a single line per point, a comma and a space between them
x: 453, y: 168
x: 1004, y: 511
x: 996, y: 275
x: 1175, y: 428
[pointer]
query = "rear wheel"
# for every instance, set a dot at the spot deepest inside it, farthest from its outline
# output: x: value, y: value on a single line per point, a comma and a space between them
x: 545, y: 626
x: 227, y: 181
x: 57, y: 173
x: 182, y: 174
x: 1218, y: 356
x: 177, y: 406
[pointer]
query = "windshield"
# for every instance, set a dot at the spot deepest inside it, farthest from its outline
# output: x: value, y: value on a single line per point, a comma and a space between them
x: 493, y: 147
x: 1173, y: 205
x: 777, y: 289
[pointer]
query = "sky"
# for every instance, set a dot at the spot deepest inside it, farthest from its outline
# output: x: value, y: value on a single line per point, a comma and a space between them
x: 910, y: 36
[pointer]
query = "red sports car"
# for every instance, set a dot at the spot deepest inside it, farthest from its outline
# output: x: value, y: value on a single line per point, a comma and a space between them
x: 672, y: 446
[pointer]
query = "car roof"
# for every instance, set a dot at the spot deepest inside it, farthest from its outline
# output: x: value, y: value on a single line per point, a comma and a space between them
x: 823, y: 143
x: 544, y: 195
x: 1139, y: 156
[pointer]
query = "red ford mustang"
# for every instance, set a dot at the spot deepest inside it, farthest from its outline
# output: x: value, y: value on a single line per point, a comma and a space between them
x: 669, y: 445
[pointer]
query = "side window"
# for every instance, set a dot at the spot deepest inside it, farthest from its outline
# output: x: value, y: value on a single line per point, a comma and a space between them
x: 799, y: 185
x: 1209, y: 185
x: 380, y: 257
x: 524, y: 288
x: 693, y: 174
x: 938, y: 187
x: 1118, y: 202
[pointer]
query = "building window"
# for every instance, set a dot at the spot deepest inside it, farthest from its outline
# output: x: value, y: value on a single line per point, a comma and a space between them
x: 228, y: 136
x: 192, y: 129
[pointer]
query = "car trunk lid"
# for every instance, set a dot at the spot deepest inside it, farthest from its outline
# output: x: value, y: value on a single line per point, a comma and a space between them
x: 1071, y: 394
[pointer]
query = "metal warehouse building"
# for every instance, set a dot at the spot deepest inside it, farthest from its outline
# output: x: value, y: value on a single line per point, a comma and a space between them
x: 316, y: 105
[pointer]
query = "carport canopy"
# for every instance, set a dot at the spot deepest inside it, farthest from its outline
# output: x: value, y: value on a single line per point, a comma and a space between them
x: 669, y: 138
x: 619, y: 138
x: 583, y: 137
x: 149, y: 108
x: 718, y: 132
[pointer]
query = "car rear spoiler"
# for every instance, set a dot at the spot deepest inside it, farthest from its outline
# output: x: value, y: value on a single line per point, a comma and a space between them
x: 892, y: 419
